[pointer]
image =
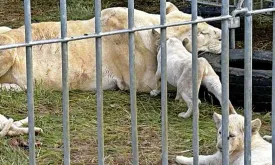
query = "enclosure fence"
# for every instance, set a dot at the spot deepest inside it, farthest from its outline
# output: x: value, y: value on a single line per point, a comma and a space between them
x: 228, y: 21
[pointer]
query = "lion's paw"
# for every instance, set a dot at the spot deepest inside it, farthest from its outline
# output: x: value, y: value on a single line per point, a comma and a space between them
x: 154, y: 92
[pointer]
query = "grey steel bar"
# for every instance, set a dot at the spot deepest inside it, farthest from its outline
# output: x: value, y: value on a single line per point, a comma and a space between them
x: 86, y: 36
x: 132, y: 72
x: 232, y: 33
x: 273, y: 89
x: 238, y: 10
x: 164, y: 116
x: 210, y: 3
x: 99, y: 91
x: 28, y: 38
x: 261, y: 11
x: 248, y: 83
x: 195, y: 107
x: 232, y: 39
x: 65, y: 87
x: 239, y: 4
x: 225, y: 83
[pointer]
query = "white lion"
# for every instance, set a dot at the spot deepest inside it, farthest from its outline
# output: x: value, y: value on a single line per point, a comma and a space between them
x: 11, y: 128
x: 261, y: 150
x: 81, y: 54
x: 179, y: 74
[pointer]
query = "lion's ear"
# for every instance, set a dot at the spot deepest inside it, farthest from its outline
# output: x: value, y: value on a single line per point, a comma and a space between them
x: 185, y: 41
x: 170, y: 7
x: 256, y: 125
x: 217, y: 119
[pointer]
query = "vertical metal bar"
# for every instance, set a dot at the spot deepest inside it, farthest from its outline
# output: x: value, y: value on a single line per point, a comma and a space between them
x: 99, y: 91
x: 232, y: 31
x: 273, y: 89
x: 194, y: 86
x: 232, y: 39
x: 65, y: 88
x: 225, y: 83
x: 164, y: 116
x: 28, y: 39
x: 132, y: 73
x: 248, y: 84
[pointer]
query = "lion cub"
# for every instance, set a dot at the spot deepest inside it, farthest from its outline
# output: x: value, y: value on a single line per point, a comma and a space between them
x: 179, y: 74
x: 11, y: 128
x: 261, y: 150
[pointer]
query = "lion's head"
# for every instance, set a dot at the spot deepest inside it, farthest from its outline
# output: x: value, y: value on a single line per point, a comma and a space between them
x: 236, y: 131
x: 209, y: 37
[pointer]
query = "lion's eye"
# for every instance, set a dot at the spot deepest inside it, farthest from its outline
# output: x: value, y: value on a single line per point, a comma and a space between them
x: 204, y: 33
x: 220, y: 132
x: 231, y: 136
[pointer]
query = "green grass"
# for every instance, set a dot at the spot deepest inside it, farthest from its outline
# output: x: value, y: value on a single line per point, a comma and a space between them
x: 117, y: 118
x: 117, y: 127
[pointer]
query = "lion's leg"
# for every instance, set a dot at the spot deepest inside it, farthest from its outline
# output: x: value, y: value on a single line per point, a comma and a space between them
x: 157, y: 91
x: 121, y: 84
x: 188, y: 99
x: 214, y: 159
x: 21, y: 122
x: 212, y: 82
x: 7, y: 57
x: 185, y: 86
x: 6, y: 128
x: 21, y: 131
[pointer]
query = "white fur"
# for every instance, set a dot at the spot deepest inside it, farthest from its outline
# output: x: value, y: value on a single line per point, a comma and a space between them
x: 179, y: 74
x: 261, y: 151
x: 11, y: 128
x: 47, y: 59
x: 4, y: 29
x: 11, y: 87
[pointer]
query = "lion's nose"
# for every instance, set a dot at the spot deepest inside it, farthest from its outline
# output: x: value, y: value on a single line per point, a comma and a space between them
x: 220, y: 147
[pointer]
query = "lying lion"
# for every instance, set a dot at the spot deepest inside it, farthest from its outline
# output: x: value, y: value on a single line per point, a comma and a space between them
x: 261, y: 150
x: 10, y: 128
x: 179, y: 74
x: 81, y: 54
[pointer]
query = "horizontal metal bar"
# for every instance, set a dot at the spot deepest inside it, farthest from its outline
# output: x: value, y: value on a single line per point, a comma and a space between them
x: 239, y: 11
x: 261, y: 11
x: 211, y: 3
x: 86, y: 36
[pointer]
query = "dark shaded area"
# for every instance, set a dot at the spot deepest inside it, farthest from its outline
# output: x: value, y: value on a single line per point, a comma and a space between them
x: 261, y: 78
